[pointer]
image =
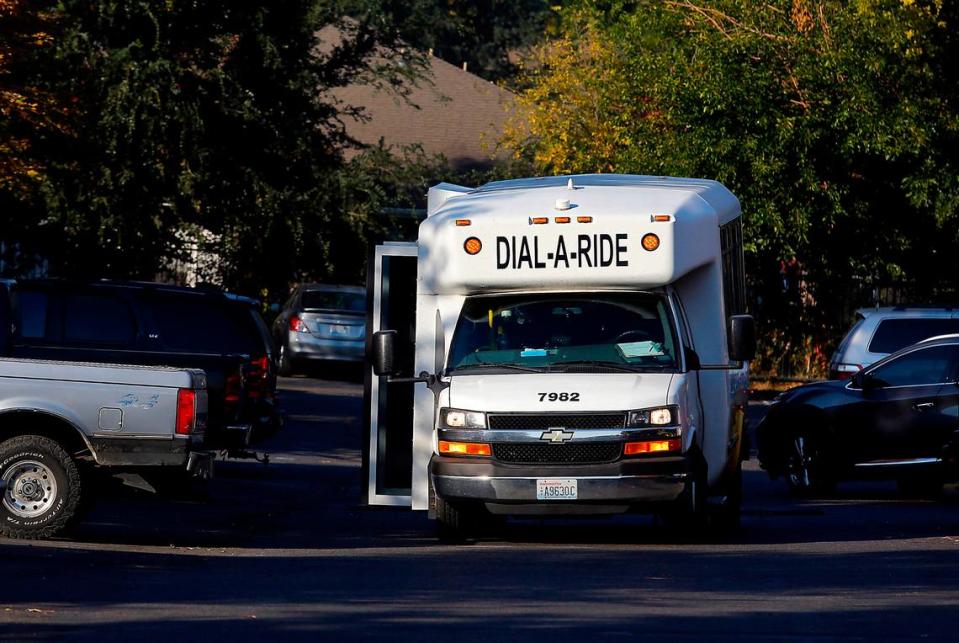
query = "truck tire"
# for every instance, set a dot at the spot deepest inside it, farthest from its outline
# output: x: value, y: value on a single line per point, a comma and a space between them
x: 40, y: 487
x: 916, y: 486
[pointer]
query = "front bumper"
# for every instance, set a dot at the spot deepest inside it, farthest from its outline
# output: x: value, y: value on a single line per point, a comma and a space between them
x: 625, y: 483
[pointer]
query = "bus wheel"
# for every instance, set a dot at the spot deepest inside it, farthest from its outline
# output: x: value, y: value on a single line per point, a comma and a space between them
x: 726, y: 516
x: 456, y: 523
x: 689, y: 516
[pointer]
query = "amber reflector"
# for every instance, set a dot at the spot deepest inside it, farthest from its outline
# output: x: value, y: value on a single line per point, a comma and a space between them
x: 650, y: 242
x: 462, y: 222
x: 652, y: 446
x: 562, y: 219
x: 473, y: 246
x: 464, y: 448
x: 584, y: 219
x: 538, y: 220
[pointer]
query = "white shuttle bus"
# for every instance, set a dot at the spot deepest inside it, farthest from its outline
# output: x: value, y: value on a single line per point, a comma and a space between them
x: 562, y: 346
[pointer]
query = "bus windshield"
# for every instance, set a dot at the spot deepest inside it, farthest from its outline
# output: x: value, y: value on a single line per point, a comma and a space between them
x: 540, y: 332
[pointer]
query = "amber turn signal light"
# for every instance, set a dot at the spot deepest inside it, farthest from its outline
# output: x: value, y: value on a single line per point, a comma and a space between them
x: 464, y: 448
x: 472, y: 246
x: 652, y: 446
x: 650, y: 242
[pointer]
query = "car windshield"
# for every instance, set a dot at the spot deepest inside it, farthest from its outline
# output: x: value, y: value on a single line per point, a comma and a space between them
x: 350, y: 302
x: 621, y: 331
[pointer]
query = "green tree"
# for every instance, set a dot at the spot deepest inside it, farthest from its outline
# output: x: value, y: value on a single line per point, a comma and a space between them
x: 834, y: 122
x: 29, y: 115
x: 488, y: 35
x: 210, y: 115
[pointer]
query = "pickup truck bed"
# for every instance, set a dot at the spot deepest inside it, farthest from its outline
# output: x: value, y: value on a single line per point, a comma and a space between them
x: 53, y: 414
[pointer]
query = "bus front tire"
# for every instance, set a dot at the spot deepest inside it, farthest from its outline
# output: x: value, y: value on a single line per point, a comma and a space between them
x: 456, y: 523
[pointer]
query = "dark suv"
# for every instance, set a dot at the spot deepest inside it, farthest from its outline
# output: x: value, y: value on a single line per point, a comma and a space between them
x: 153, y: 324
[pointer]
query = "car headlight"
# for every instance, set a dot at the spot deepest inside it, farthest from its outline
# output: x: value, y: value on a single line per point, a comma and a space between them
x: 659, y: 416
x: 459, y: 419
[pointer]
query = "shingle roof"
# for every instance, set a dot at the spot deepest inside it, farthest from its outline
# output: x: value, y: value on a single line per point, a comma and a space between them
x: 459, y: 115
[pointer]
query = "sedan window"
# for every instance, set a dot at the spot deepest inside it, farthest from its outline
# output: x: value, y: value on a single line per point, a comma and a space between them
x: 932, y: 365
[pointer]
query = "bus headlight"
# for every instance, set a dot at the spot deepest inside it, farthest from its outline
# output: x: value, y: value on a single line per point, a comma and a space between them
x: 659, y: 416
x: 459, y: 419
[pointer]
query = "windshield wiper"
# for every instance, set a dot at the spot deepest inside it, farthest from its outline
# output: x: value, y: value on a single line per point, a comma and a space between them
x: 617, y: 366
x: 512, y: 367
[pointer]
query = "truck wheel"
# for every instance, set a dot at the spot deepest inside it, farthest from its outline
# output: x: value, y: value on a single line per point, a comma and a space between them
x: 929, y: 486
x: 41, y: 487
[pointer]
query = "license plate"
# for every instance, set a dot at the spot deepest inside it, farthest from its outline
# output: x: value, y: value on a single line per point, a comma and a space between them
x: 548, y: 489
x: 338, y: 329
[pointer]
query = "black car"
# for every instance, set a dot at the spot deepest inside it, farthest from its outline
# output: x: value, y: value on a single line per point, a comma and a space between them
x: 896, y: 419
x: 153, y: 324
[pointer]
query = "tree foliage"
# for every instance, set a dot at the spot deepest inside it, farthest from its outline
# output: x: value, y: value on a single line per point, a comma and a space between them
x: 212, y: 116
x: 834, y: 122
x: 28, y: 113
x: 489, y: 36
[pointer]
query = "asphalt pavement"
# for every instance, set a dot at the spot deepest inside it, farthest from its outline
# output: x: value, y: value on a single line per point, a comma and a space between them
x: 286, y: 550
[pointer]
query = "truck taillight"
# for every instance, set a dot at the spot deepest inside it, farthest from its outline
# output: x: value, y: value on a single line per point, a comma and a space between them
x: 185, y: 411
x: 257, y: 377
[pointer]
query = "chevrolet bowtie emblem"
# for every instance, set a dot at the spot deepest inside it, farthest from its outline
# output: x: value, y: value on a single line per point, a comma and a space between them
x: 557, y: 435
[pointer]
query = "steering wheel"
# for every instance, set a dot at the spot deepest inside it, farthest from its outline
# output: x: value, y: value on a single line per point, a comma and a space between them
x: 619, y: 338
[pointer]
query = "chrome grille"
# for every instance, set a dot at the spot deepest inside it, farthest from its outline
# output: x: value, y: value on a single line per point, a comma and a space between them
x: 532, y: 453
x: 546, y: 421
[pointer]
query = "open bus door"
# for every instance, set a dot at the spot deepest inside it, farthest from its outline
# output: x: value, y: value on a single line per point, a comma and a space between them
x: 388, y: 414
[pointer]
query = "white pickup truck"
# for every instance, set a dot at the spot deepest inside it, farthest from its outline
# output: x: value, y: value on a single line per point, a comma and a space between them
x: 57, y: 417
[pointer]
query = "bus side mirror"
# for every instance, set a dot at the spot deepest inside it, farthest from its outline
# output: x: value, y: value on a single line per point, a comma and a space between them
x: 742, y: 338
x: 384, y: 345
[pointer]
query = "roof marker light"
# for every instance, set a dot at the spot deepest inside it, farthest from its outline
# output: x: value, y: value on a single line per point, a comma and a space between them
x: 584, y: 219
x: 463, y: 222
x: 562, y: 219
x: 538, y: 220
x: 472, y: 246
x: 660, y: 218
